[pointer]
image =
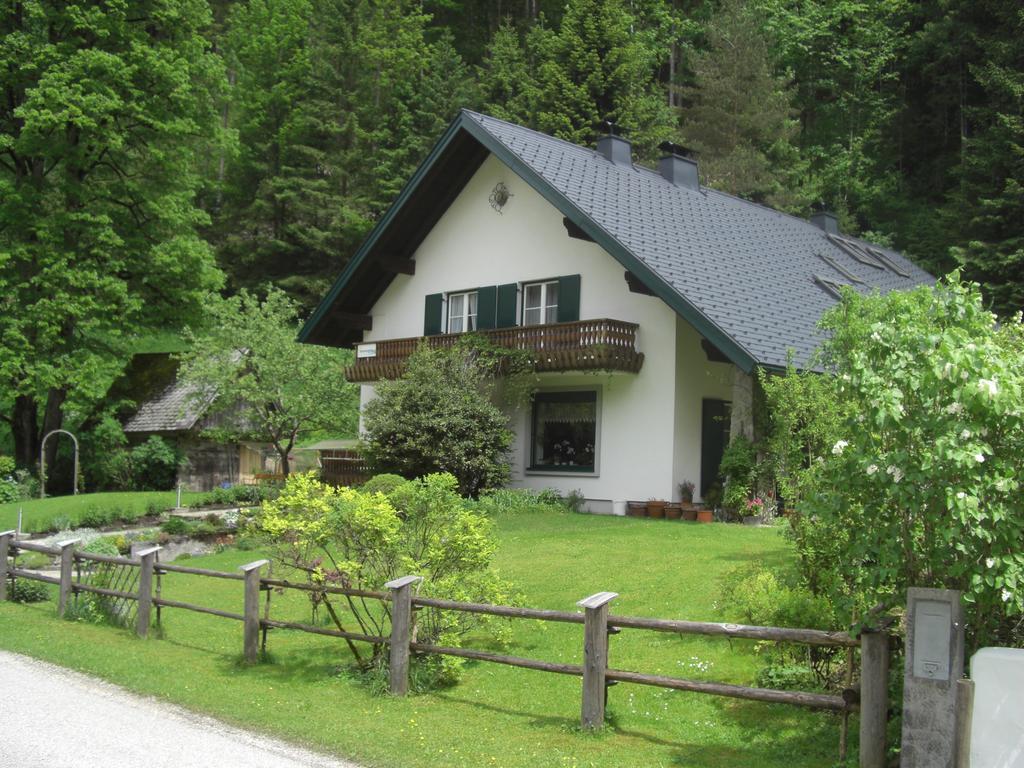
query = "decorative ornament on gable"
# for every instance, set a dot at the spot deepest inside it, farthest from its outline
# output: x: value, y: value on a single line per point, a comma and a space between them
x: 499, y: 196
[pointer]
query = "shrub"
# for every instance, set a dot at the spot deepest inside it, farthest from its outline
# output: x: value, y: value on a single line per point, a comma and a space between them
x: 61, y: 523
x: 342, y: 535
x: 28, y: 591
x: 384, y: 483
x: 95, y: 517
x: 9, y: 490
x: 440, y: 417
x: 509, y: 501
x: 919, y: 483
x: 102, y: 546
x: 175, y: 526
x: 154, y: 465
x: 738, y: 469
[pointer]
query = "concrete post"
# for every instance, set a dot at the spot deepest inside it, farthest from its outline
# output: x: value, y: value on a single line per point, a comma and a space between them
x: 147, y: 561
x: 251, y: 624
x: 401, y: 633
x: 67, y: 563
x: 595, y: 658
x: 6, y: 539
x: 934, y: 663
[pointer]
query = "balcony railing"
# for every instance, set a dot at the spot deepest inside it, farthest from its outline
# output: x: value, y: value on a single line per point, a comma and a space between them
x: 584, y: 345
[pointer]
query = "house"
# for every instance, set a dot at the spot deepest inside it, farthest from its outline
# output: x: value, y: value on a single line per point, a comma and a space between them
x: 173, y: 414
x: 648, y: 299
x: 339, y: 461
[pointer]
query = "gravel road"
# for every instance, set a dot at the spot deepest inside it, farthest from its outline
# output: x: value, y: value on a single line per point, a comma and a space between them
x: 51, y: 717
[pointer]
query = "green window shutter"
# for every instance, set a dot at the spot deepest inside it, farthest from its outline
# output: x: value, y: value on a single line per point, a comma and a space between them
x: 505, y: 316
x: 433, y: 314
x: 568, y: 298
x: 486, y: 307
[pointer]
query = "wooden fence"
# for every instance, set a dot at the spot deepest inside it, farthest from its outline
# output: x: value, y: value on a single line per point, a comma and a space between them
x: 871, y: 699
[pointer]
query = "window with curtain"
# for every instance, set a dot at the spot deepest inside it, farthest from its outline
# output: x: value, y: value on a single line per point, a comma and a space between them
x: 462, y: 312
x: 564, y: 434
x: 540, y: 303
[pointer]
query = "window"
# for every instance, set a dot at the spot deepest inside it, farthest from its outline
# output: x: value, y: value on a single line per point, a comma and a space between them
x: 540, y: 303
x: 462, y: 312
x: 564, y: 434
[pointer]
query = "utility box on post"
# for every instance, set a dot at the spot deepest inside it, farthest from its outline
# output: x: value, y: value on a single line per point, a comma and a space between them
x: 934, y: 663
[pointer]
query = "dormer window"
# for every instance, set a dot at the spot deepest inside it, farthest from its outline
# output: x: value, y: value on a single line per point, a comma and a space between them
x: 462, y: 312
x: 540, y: 303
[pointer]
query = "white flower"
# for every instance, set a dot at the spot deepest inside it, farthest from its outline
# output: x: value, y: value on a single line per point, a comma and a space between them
x: 971, y: 347
x: 947, y: 371
x: 965, y: 434
x: 954, y: 408
x: 876, y: 337
x: 1006, y: 595
x: 979, y: 457
x: 988, y: 386
x: 837, y: 449
x: 990, y: 562
x: 872, y: 469
x: 1002, y: 485
x: 896, y: 473
x: 963, y: 375
x: 961, y: 495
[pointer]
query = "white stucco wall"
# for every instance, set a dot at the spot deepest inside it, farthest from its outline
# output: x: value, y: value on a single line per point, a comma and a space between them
x: 649, y: 428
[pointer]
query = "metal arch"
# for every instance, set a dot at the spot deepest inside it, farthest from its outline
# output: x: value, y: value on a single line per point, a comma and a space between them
x: 42, y: 462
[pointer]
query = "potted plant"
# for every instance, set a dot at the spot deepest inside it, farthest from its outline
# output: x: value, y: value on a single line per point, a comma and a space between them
x: 686, y: 489
x: 705, y: 515
x: 712, y: 498
x: 636, y: 508
x: 673, y: 511
x: 656, y: 508
x: 753, y: 511
x: 689, y: 512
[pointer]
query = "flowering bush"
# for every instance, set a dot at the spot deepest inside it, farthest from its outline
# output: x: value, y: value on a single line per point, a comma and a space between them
x: 920, y: 483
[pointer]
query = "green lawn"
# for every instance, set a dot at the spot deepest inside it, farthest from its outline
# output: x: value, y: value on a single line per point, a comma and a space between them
x: 39, y: 513
x: 497, y: 715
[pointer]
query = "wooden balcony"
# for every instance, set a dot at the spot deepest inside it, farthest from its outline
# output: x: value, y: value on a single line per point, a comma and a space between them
x: 584, y: 345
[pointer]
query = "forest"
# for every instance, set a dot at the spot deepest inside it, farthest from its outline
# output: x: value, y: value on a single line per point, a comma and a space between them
x: 153, y: 152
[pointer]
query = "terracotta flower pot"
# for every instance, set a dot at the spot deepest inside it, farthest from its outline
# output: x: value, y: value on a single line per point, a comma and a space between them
x: 673, y: 511
x: 689, y: 512
x: 705, y: 516
x: 656, y: 509
x: 636, y: 508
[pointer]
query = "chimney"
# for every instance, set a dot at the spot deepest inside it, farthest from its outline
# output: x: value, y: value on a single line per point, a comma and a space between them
x: 614, y: 148
x: 824, y: 219
x: 678, y: 165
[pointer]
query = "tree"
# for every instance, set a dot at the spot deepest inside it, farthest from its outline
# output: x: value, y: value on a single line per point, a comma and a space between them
x: 739, y: 115
x: 439, y: 417
x: 106, y: 109
x: 921, y: 485
x: 248, y: 368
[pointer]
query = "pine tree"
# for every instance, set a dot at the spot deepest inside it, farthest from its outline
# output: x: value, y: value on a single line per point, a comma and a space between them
x: 739, y: 117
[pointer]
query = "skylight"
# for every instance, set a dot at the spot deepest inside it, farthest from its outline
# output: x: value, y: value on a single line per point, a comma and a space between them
x: 885, y: 259
x: 831, y: 286
x: 839, y: 268
x: 858, y: 251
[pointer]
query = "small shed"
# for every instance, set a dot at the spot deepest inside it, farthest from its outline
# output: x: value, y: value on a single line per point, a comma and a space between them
x: 175, y: 415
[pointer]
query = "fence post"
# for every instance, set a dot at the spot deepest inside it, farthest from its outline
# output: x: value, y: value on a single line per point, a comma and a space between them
x: 595, y: 657
x: 67, y: 563
x: 251, y: 640
x: 874, y: 697
x: 401, y: 632
x: 6, y: 538
x: 147, y: 561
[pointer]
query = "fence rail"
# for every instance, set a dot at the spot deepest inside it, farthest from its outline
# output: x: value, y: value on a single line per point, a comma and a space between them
x: 595, y: 671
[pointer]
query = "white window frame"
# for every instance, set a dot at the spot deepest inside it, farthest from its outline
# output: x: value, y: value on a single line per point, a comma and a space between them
x: 466, y: 315
x: 527, y: 445
x: 544, y: 306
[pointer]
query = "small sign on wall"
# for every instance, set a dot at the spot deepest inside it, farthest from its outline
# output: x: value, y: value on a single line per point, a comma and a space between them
x: 366, y: 350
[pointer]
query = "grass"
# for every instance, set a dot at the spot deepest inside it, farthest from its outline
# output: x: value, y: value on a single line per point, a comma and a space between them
x: 496, y: 715
x: 39, y: 514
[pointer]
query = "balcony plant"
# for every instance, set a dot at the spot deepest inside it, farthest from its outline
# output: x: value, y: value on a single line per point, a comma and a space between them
x: 686, y: 489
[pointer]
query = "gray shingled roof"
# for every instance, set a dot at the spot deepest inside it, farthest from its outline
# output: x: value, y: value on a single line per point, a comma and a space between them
x: 173, y: 410
x: 748, y: 269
